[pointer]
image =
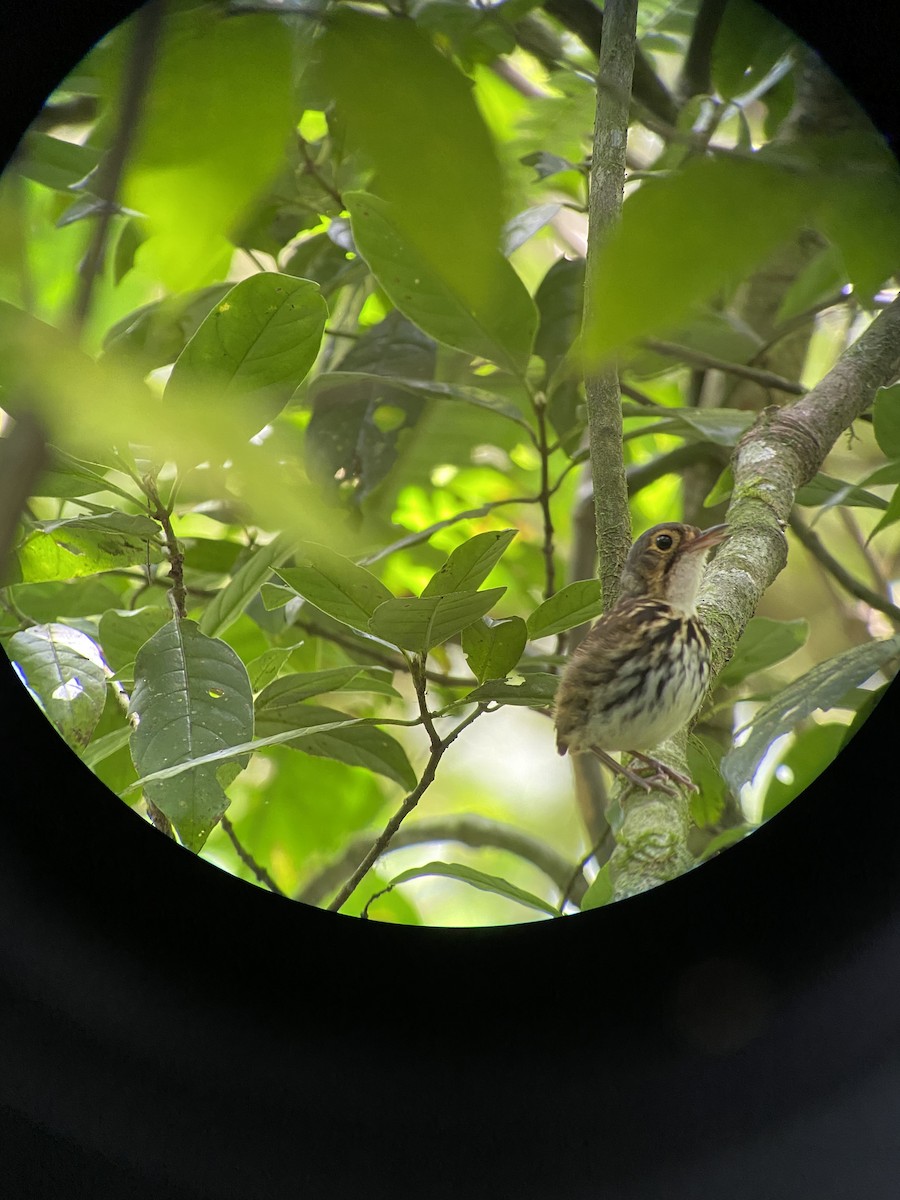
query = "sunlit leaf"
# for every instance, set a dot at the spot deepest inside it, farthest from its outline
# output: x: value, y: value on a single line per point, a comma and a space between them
x: 470, y: 564
x: 65, y: 668
x: 813, y: 749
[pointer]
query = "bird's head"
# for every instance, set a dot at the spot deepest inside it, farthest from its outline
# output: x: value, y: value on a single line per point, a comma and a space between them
x: 666, y: 563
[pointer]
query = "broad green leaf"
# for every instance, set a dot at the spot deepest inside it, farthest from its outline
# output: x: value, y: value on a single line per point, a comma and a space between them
x: 703, y: 758
x: 886, y: 420
x: 570, y: 606
x: 67, y: 476
x: 470, y: 564
x: 601, y: 891
x: 337, y: 586
x: 426, y: 388
x: 722, y: 426
x: 104, y: 747
x: 824, y: 276
x: 359, y: 745
x: 498, y: 326
x: 80, y: 550
x: 822, y: 687
x: 763, y: 643
x: 813, y: 749
x: 123, y: 632
x: 254, y: 349
x: 535, y: 689
x: 156, y: 333
x: 191, y: 697
x: 406, y: 109
x: 289, y: 690
x: 559, y: 302
x: 230, y: 601
x: 267, y: 666
x: 209, y: 140
x: 525, y: 225
x: 420, y: 623
x: 107, y: 521
x: 728, y: 214
x: 65, y: 668
x: 493, y: 648
x: 891, y: 516
x: 54, y: 162
x: 480, y: 880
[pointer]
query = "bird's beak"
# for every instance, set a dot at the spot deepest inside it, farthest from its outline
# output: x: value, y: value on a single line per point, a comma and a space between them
x: 709, y: 538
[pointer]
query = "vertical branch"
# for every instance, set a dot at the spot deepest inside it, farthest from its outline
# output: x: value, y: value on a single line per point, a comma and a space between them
x: 147, y: 29
x: 604, y: 404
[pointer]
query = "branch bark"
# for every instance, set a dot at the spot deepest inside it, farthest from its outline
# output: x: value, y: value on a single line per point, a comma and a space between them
x: 782, y: 451
x: 604, y: 400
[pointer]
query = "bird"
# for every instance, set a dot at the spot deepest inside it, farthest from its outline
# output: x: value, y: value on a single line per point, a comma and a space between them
x: 643, y: 669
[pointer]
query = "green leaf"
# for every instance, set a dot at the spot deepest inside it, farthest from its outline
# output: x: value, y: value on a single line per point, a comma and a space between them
x: 763, y: 643
x: 420, y: 623
x: 156, y: 333
x: 337, y: 586
x: 230, y: 601
x: 357, y: 744
x: 470, y: 564
x: 601, y: 891
x: 68, y: 476
x: 499, y: 324
x: 80, y: 550
x: 535, y: 689
x: 289, y: 690
x: 54, y: 162
x: 572, y: 605
x: 825, y: 491
x: 65, y: 668
x: 891, y: 516
x: 886, y: 420
x: 253, y: 349
x: 493, y: 648
x: 210, y: 138
x: 806, y: 759
x: 191, y: 697
x: 480, y: 880
x: 821, y: 278
x: 434, y: 159
x: 104, y: 747
x: 748, y: 44
x: 728, y: 213
x: 123, y: 632
x: 525, y: 225
x: 822, y: 687
x: 703, y: 758
x: 427, y: 388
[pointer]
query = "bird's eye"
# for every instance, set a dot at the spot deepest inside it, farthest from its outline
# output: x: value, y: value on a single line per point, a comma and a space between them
x: 663, y: 541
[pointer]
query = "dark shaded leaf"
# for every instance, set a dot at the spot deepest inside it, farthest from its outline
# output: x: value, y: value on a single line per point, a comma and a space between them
x: 493, y: 648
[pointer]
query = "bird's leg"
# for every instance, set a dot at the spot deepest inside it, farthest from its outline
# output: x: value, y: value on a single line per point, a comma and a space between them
x: 663, y: 771
x: 633, y: 778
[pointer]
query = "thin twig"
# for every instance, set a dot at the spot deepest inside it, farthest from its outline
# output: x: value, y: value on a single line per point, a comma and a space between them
x: 469, y: 829
x: 249, y: 861
x: 148, y: 23
x: 423, y: 535
x: 839, y: 572
x: 159, y: 512
x: 766, y: 379
x: 383, y: 840
x: 382, y: 658
x: 540, y: 410
x: 310, y: 168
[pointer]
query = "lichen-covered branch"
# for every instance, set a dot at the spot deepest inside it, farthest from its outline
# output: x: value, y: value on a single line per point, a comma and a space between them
x: 782, y: 451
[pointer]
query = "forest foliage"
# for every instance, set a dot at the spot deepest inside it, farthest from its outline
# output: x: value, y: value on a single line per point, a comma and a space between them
x: 295, y: 291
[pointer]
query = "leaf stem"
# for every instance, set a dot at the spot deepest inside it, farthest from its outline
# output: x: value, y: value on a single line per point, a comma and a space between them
x: 159, y: 512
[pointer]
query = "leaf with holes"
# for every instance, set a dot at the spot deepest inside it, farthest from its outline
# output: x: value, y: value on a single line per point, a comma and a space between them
x: 191, y: 697
x: 420, y: 623
x: 535, y: 689
x: 65, y: 669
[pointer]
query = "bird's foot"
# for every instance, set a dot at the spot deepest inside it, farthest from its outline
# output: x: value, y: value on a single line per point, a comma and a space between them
x: 647, y: 783
x: 661, y: 772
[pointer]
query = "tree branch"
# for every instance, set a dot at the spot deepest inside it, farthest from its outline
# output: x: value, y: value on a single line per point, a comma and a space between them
x: 468, y: 829
x: 766, y: 379
x: 813, y: 543
x: 604, y: 400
